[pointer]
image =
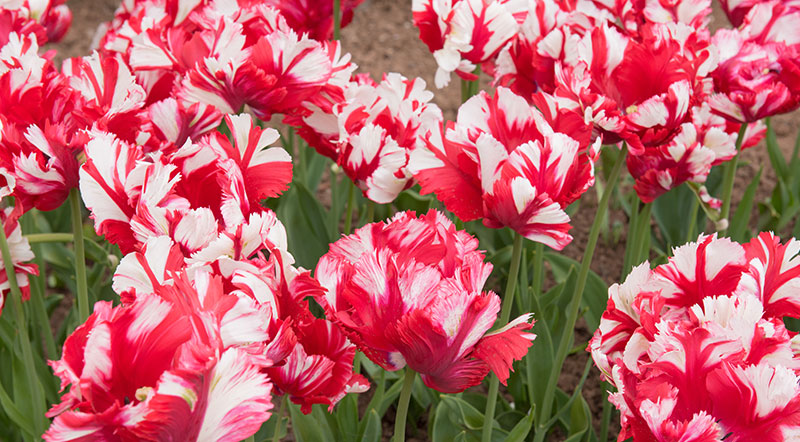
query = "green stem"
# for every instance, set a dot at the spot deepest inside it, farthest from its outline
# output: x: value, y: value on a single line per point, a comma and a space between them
x: 465, y: 90
x: 543, y: 333
x: 643, y: 236
x: 38, y: 285
x: 357, y: 362
x: 691, y: 234
x: 402, y: 406
x: 335, y: 212
x: 297, y: 149
x: 606, y: 420
x: 505, y: 313
x: 370, y: 211
x: 538, y: 268
x: 80, y: 256
x: 41, y: 318
x: 470, y: 88
x: 277, y: 435
x: 572, y: 310
x: 34, y: 386
x: 730, y: 175
x: 348, y: 216
x: 35, y: 238
x: 337, y: 19
x: 633, y: 225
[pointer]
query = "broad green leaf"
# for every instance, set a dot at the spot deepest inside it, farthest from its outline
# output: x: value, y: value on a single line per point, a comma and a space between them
x: 580, y: 420
x: 595, y: 296
x: 470, y: 416
x: 304, y: 217
x: 412, y: 200
x: 390, y: 397
x: 741, y: 219
x: 455, y: 419
x: 539, y: 360
x: 346, y: 414
x: 15, y: 414
x: 775, y: 155
x: 317, y: 165
x: 521, y: 430
x: 371, y: 428
x: 670, y: 212
x: 421, y: 394
x: 309, y: 427
x: 267, y: 430
x: 445, y: 426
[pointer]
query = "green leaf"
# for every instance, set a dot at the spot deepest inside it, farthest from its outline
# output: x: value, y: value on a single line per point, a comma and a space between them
x: 741, y: 219
x: 347, y: 417
x: 313, y: 213
x: 309, y: 427
x: 595, y: 296
x: 267, y: 430
x: 521, y: 430
x: 390, y: 397
x: 378, y: 391
x: 445, y: 428
x: 421, y: 394
x: 412, y: 200
x: 775, y: 155
x: 670, y: 212
x: 580, y: 420
x: 316, y: 167
x: 15, y: 414
x: 470, y: 416
x: 371, y: 428
x: 307, y: 232
x: 7, y: 335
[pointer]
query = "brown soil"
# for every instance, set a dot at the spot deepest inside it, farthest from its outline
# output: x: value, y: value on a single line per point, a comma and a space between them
x: 381, y: 39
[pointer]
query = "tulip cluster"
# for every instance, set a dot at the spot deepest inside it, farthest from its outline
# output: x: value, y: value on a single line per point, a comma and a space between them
x: 371, y: 130
x: 503, y: 161
x: 647, y: 73
x: 213, y: 319
x: 164, y: 133
x: 208, y: 267
x: 698, y: 346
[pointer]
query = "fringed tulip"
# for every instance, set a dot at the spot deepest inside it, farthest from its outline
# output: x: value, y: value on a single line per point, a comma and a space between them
x: 408, y: 292
x: 380, y: 125
x: 697, y: 347
x: 501, y: 161
x: 314, y: 17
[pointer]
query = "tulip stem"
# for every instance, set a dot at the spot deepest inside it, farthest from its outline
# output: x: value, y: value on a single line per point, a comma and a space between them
x: 691, y: 235
x: 606, y: 418
x: 34, y: 386
x: 505, y: 313
x: 34, y: 238
x: 402, y: 406
x: 276, y: 436
x: 538, y: 268
x: 38, y: 286
x: 337, y: 19
x: 637, y: 246
x: 80, y: 256
x: 728, y: 179
x: 543, y: 335
x: 348, y: 215
x: 572, y: 310
x: 470, y: 88
x: 370, y: 211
